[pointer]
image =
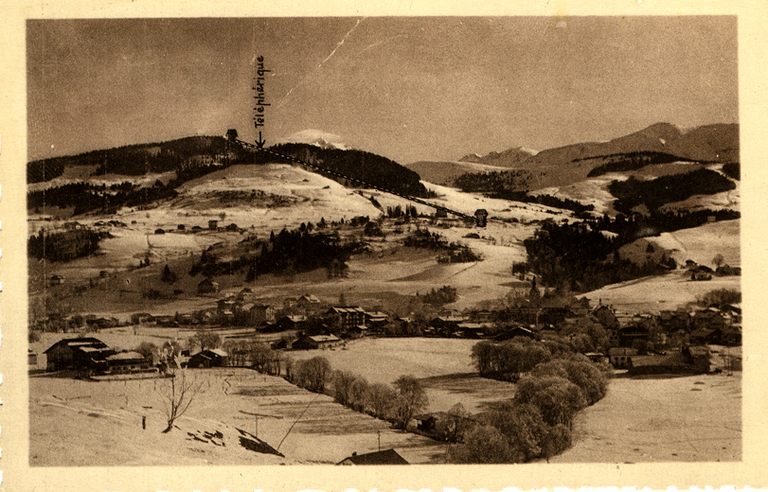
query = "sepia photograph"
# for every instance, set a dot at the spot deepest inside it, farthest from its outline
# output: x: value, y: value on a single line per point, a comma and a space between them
x: 383, y: 240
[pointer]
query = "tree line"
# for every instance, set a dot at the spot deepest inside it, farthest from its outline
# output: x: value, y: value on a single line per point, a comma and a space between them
x: 666, y: 189
x: 139, y: 159
x: 88, y: 197
x: 631, y: 161
x: 358, y: 164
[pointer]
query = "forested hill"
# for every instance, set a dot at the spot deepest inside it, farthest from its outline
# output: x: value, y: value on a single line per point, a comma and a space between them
x: 138, y: 159
x: 192, y: 157
x: 358, y: 164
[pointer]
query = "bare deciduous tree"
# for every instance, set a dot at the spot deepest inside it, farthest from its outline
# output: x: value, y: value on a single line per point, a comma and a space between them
x: 178, y: 395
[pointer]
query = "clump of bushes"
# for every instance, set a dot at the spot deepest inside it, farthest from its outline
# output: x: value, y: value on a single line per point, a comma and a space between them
x: 454, y: 252
x: 438, y: 297
x: 538, y: 422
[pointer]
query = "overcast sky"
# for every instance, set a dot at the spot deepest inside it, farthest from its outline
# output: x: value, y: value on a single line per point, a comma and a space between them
x: 407, y: 88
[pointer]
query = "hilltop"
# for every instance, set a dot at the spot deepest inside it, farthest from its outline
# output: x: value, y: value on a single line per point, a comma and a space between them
x: 136, y: 175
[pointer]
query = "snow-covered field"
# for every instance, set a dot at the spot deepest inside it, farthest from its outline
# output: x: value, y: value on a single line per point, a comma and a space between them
x: 652, y: 294
x: 444, y: 366
x: 691, y: 418
x: 107, y: 415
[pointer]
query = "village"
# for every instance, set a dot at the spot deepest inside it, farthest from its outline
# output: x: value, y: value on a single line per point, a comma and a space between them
x: 640, y: 342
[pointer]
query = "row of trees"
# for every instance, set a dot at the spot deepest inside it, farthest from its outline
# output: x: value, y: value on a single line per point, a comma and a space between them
x: 397, y: 403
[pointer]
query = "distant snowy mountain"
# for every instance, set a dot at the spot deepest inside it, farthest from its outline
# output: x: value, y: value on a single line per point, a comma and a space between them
x: 572, y: 163
x: 508, y: 158
x: 316, y: 137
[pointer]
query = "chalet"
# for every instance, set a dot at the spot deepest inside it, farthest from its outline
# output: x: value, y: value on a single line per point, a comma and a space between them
x: 711, y: 318
x: 207, y: 286
x: 355, y: 331
x: 232, y: 228
x: 252, y: 314
x: 245, y: 295
x: 699, y: 356
x: 226, y: 304
x: 376, y: 320
x: 346, y: 317
x: 632, y: 334
x: 310, y: 342
x: 447, y: 325
x: 727, y: 335
x: 606, y: 316
x: 76, y: 353
x: 208, y: 358
x: 675, y: 320
x: 292, y: 322
x: 55, y: 280
x: 126, y: 362
x: 385, y: 457
x: 620, y: 357
x: 226, y: 317
x: 308, y: 302
x: 688, y: 360
x: 181, y: 227
x: 159, y: 231
x: 213, y: 224
x: 474, y: 330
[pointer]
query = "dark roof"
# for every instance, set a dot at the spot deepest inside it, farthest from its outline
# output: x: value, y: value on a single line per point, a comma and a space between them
x: 386, y: 457
x: 79, y: 342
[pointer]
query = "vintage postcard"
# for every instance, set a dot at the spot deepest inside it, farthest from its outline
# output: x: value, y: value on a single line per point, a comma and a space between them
x: 264, y: 248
